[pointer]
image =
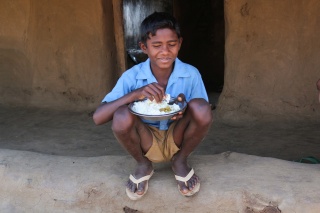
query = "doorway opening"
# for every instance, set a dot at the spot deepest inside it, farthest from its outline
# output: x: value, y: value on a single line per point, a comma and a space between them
x: 202, y: 29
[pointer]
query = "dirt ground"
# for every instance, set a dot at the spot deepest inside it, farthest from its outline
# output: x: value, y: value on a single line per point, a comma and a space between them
x: 66, y: 148
x: 74, y: 134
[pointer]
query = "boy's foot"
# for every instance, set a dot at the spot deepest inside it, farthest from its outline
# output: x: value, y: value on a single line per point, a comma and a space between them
x: 185, y: 180
x: 137, y: 185
x: 188, y: 181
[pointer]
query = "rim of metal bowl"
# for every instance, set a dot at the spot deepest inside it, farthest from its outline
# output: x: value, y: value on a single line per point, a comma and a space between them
x: 159, y: 117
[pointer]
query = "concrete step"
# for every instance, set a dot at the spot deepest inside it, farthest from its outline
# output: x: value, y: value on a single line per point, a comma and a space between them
x: 230, y: 182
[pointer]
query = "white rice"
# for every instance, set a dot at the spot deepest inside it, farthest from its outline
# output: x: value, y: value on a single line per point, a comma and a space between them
x: 148, y: 107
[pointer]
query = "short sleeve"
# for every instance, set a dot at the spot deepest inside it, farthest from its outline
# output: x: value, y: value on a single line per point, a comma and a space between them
x: 122, y: 87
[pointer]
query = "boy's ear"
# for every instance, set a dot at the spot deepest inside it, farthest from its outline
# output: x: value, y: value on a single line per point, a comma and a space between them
x: 143, y: 47
x: 180, y: 41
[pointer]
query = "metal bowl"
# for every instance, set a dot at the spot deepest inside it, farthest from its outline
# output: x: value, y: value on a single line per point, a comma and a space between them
x: 161, y: 117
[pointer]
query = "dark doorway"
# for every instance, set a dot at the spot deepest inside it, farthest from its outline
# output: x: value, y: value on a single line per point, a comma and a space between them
x: 202, y: 28
x: 203, y: 31
x: 134, y: 12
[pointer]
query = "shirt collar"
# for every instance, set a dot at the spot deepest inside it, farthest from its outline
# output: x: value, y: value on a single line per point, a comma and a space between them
x: 145, y: 72
x: 179, y: 70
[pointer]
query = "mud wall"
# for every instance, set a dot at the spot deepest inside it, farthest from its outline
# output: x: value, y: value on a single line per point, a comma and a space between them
x: 271, y: 61
x: 57, y: 54
x: 65, y: 55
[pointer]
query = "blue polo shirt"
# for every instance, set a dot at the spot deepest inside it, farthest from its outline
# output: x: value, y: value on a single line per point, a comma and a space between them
x: 184, y: 79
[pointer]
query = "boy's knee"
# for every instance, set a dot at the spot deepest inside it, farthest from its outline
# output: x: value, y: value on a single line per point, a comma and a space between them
x: 122, y: 120
x: 201, y: 111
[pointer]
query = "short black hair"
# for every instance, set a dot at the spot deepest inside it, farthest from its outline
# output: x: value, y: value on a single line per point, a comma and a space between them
x: 156, y: 21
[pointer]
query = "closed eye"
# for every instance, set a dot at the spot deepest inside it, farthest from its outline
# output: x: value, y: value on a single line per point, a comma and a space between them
x: 172, y: 43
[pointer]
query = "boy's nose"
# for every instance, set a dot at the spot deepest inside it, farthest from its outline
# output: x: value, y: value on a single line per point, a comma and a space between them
x: 165, y: 48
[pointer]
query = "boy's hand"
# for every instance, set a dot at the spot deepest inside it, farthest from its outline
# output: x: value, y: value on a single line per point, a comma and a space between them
x: 151, y: 91
x: 179, y: 115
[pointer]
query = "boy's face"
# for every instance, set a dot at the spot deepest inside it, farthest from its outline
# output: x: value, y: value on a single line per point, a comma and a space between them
x: 162, y: 49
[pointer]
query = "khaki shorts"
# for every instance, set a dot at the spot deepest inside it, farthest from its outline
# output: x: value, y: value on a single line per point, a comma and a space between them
x: 163, y: 146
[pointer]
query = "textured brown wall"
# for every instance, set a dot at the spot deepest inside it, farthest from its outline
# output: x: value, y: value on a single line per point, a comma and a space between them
x: 62, y: 54
x: 272, y: 60
x: 58, y: 54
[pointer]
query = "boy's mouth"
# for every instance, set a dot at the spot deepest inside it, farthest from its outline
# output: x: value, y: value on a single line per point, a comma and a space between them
x: 165, y: 60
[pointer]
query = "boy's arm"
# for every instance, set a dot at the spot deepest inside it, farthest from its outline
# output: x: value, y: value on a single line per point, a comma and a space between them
x: 105, y: 111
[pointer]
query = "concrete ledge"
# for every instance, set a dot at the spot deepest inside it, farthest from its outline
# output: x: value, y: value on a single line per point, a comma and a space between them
x: 231, y: 182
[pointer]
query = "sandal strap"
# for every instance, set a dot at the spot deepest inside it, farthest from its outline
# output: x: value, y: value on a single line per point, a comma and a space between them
x: 309, y: 159
x: 186, y: 178
x: 144, y: 178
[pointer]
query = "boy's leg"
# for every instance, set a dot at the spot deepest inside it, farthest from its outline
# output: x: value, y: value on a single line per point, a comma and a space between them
x: 188, y: 133
x: 136, y: 138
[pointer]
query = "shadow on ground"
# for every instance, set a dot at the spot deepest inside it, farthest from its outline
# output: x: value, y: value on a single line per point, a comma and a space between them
x: 74, y: 134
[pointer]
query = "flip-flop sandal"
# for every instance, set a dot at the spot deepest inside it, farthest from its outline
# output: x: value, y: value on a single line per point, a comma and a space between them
x: 185, y: 180
x: 133, y: 195
x: 310, y: 159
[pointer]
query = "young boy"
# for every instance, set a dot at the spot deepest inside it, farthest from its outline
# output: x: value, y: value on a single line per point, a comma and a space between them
x: 172, y: 140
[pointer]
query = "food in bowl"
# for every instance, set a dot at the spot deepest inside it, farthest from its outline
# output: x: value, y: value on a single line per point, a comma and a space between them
x: 148, y: 107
